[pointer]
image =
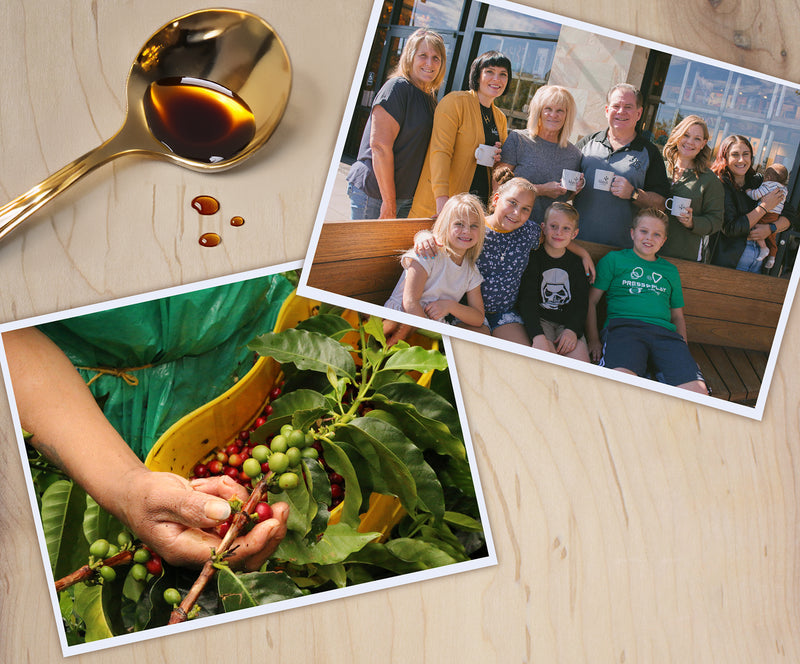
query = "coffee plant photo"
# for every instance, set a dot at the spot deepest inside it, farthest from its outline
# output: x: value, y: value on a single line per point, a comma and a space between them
x: 362, y: 440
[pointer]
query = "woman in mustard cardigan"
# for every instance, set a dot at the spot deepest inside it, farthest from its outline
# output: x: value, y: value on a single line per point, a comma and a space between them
x: 464, y: 120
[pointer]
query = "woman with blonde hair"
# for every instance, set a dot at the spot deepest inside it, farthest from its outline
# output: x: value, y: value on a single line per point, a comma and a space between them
x: 542, y: 151
x: 687, y: 156
x: 382, y: 181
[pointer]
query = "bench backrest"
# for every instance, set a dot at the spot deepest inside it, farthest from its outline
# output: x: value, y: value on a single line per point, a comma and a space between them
x: 724, y: 307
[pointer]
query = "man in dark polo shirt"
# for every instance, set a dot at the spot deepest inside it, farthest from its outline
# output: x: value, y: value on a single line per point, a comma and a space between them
x: 639, y: 175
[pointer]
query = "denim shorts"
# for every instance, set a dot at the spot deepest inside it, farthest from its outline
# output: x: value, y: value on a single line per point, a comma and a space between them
x: 648, y: 350
x: 363, y: 206
x: 494, y: 320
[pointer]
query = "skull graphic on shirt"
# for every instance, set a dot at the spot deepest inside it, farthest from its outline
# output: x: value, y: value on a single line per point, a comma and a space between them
x: 555, y: 289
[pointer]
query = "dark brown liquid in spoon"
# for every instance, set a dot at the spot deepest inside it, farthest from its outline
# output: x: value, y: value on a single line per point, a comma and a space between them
x: 198, y: 119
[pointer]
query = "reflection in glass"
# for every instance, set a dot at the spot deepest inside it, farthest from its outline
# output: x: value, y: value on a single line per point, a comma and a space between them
x: 435, y: 14
x: 504, y: 19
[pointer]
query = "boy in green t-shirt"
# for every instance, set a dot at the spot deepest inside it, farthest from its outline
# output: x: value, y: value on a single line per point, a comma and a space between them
x: 645, y: 328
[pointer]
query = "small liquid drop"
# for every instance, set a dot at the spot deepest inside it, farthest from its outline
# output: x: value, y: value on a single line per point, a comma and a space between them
x: 205, y: 204
x: 237, y: 221
x: 210, y: 239
x: 198, y: 119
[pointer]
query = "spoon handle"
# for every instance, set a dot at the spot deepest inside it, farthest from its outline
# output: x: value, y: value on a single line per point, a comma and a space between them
x: 13, y: 213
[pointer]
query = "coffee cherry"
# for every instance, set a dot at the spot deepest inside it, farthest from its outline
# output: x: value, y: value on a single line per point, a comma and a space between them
x: 113, y: 550
x: 233, y: 448
x: 279, y: 443
x: 278, y: 462
x: 108, y: 573
x: 263, y: 511
x: 99, y: 548
x: 215, y: 467
x: 200, y: 470
x: 297, y: 438
x: 141, y: 555
x: 124, y: 538
x: 288, y: 481
x: 154, y: 565
x: 260, y: 422
x: 172, y: 596
x: 251, y: 468
x: 309, y: 453
x: 138, y: 572
x: 274, y: 393
x: 260, y: 453
x: 235, y: 460
x: 294, y: 455
x: 286, y: 429
x: 310, y: 440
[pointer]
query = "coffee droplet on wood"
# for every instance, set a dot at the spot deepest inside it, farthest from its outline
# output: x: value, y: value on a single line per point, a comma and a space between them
x: 210, y: 239
x: 198, y: 119
x: 237, y: 221
x: 205, y: 204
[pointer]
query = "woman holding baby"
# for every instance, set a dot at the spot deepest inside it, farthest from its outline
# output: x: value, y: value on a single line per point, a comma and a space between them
x: 737, y: 243
x: 542, y: 152
x: 697, y: 197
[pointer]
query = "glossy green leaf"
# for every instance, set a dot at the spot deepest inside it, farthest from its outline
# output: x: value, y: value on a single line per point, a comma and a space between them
x: 429, y: 404
x: 63, y: 505
x: 327, y: 324
x: 416, y: 358
x: 97, y: 523
x: 463, y: 522
x: 306, y: 350
x: 246, y: 590
x: 426, y: 432
x: 401, y: 465
x: 339, y: 541
x: 338, y: 460
x: 89, y: 606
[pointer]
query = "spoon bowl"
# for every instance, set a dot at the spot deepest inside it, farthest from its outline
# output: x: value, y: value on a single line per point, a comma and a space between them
x: 205, y: 92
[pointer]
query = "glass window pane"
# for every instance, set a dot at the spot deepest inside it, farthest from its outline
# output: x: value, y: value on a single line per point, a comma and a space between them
x: 434, y: 14
x: 750, y: 96
x: 504, y: 19
x: 705, y: 86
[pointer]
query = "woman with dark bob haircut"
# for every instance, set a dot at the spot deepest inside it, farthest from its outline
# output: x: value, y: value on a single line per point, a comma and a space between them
x: 464, y: 120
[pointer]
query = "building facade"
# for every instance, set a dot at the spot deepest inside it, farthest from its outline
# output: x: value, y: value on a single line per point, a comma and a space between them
x: 587, y: 64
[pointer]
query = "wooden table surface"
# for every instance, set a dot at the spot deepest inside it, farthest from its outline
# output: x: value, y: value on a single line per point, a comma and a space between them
x: 629, y: 526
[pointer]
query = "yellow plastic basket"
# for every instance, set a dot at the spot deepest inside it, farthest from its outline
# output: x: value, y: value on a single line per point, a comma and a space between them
x: 215, y: 424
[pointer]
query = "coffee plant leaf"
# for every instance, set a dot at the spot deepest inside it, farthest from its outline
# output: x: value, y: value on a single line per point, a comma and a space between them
x: 89, y: 606
x: 306, y: 350
x: 249, y: 589
x: 327, y: 324
x: 63, y: 505
x: 416, y: 358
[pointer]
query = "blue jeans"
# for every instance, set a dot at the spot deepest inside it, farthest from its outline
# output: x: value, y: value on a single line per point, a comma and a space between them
x: 749, y: 261
x: 367, y: 207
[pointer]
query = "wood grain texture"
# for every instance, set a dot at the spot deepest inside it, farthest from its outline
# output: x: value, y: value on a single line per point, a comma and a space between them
x: 629, y: 526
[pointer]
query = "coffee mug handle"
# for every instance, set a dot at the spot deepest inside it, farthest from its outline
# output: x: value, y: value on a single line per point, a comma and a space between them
x: 668, y: 204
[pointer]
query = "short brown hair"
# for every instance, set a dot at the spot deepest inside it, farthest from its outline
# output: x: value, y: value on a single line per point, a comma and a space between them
x: 653, y: 213
x: 566, y: 209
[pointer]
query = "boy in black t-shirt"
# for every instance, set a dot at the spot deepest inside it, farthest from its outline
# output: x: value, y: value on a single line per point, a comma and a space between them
x: 553, y: 295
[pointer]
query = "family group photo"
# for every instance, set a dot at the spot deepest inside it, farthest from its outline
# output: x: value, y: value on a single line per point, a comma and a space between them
x: 562, y: 190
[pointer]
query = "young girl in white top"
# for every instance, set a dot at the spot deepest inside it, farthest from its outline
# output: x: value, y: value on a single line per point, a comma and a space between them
x: 433, y: 287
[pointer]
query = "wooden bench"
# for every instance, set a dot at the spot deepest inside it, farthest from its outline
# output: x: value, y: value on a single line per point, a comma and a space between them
x: 731, y: 316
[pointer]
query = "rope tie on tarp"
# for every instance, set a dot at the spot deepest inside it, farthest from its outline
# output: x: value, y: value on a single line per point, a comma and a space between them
x: 125, y: 374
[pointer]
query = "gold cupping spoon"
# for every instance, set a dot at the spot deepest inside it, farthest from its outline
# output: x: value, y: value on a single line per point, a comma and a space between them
x: 205, y: 92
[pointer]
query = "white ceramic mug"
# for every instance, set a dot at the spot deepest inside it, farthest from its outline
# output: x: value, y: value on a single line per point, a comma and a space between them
x: 485, y: 154
x: 570, y: 179
x: 602, y: 180
x: 677, y: 205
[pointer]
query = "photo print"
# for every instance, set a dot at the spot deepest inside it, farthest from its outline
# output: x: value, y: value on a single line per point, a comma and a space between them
x: 229, y: 449
x: 641, y: 220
